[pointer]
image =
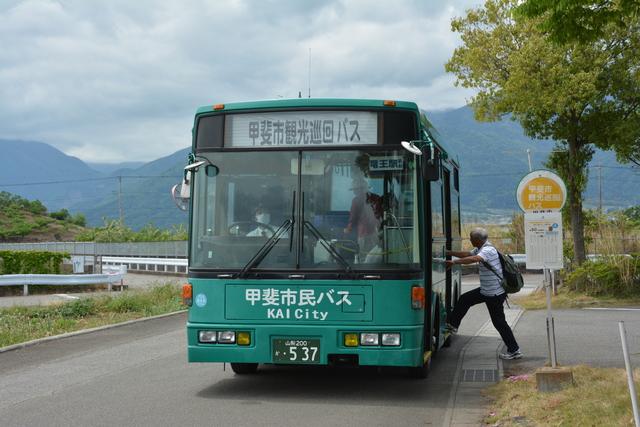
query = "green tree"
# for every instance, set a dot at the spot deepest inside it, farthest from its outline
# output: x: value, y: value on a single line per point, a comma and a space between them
x: 61, y: 215
x: 580, y: 95
x: 580, y: 20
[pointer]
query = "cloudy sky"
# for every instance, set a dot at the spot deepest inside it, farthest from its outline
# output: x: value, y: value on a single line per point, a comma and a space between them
x: 120, y: 80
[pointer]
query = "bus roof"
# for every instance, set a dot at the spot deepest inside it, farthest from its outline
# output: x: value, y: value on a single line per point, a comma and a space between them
x: 309, y: 102
x: 328, y: 103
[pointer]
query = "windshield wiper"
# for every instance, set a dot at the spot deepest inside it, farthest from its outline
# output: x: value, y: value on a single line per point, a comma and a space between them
x: 328, y: 246
x: 266, y: 248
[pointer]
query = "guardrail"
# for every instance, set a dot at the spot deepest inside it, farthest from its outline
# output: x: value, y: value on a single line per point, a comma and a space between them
x: 155, y: 265
x: 26, y: 280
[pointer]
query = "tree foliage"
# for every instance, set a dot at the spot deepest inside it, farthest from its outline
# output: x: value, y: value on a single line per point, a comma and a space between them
x: 580, y: 95
x: 13, y: 201
x: 580, y: 20
x: 114, y: 231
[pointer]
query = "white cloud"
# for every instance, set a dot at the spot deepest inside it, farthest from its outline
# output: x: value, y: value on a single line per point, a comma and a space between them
x: 120, y: 80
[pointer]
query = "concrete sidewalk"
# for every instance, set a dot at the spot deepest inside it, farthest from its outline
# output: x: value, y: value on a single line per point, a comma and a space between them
x: 478, y: 363
x: 583, y: 336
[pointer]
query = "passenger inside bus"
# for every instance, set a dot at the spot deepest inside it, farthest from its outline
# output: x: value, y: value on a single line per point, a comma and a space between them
x: 365, y: 217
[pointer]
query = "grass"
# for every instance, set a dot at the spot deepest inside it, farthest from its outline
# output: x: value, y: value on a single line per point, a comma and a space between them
x: 600, y: 397
x: 567, y: 299
x: 20, y: 324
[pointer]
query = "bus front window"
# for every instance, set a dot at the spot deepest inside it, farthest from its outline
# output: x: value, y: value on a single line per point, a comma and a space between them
x: 237, y: 210
x: 363, y: 204
x: 350, y: 210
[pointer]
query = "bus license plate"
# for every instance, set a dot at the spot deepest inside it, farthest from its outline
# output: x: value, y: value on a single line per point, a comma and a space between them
x: 295, y: 350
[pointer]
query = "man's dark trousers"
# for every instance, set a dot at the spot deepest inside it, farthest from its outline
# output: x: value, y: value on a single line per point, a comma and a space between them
x: 496, y: 311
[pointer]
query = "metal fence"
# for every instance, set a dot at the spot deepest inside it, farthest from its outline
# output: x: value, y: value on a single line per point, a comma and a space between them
x: 141, y: 249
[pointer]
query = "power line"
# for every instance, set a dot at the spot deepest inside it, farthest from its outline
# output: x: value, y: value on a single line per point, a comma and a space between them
x: 24, y: 184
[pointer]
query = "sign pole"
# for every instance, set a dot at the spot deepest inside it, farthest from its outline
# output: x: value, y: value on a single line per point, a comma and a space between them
x: 551, y: 334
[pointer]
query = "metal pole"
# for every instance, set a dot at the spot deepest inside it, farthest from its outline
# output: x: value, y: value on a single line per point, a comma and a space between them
x: 551, y: 338
x: 120, y: 199
x: 600, y: 189
x: 627, y: 363
x: 529, y: 158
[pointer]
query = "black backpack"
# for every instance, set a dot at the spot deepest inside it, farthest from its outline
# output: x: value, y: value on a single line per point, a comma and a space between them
x: 512, y: 281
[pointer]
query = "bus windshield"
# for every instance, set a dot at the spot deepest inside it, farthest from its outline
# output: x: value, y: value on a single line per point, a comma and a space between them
x: 335, y: 210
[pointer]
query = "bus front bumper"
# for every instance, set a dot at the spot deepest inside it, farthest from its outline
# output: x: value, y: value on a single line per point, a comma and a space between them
x: 330, y: 339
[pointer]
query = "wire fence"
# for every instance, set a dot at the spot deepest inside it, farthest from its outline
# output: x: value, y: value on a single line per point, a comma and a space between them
x: 176, y: 249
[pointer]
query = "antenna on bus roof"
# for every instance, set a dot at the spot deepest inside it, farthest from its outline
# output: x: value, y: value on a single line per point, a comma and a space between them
x: 309, y: 72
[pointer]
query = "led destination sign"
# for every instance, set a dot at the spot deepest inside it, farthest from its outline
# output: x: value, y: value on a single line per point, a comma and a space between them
x: 301, y: 128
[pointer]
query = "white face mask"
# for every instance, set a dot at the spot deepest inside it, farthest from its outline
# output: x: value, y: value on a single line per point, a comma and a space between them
x: 263, y: 218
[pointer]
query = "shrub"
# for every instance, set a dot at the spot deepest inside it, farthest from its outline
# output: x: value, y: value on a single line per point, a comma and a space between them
x: 127, y: 302
x: 79, y: 308
x: 611, y: 276
x: 31, y: 262
x: 61, y: 215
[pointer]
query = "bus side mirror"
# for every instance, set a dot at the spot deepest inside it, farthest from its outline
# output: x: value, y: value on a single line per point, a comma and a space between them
x: 430, y: 163
x: 180, y: 193
x: 430, y: 158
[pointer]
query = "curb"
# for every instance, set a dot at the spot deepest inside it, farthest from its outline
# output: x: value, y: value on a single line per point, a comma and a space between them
x: 85, y: 331
x: 451, y: 405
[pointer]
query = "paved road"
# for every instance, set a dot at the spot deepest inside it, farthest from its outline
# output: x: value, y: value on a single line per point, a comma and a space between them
x: 582, y: 336
x: 138, y: 375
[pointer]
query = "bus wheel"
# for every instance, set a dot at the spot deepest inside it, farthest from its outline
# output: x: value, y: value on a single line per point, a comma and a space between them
x: 244, y: 368
x: 422, y: 372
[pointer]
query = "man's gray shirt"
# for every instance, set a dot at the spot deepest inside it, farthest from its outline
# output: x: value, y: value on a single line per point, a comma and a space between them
x: 489, y: 283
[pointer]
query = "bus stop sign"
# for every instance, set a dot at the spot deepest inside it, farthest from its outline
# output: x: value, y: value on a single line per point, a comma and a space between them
x: 541, y: 190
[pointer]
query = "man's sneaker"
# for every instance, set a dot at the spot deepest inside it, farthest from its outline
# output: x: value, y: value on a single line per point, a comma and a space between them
x: 450, y: 328
x: 509, y: 355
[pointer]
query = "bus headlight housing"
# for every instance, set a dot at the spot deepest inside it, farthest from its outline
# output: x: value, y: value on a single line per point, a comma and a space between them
x: 207, y: 336
x: 391, y: 339
x: 227, y: 337
x: 369, y: 339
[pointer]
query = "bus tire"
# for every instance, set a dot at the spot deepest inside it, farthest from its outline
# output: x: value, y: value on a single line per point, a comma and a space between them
x: 244, y: 368
x: 421, y: 372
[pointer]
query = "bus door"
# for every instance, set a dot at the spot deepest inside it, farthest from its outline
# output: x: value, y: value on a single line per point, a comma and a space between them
x: 446, y: 178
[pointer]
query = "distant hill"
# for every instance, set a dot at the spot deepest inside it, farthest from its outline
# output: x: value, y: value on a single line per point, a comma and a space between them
x: 114, y: 168
x: 145, y: 195
x: 36, y: 170
x: 22, y: 220
x: 493, y: 159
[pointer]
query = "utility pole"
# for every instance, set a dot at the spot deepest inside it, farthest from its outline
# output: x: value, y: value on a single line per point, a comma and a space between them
x: 600, y: 188
x: 120, y: 199
x: 529, y: 158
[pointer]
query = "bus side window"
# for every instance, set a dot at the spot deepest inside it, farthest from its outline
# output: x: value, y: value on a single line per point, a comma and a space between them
x: 437, y: 215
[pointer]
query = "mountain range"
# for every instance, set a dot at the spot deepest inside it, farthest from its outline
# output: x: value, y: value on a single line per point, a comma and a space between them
x: 493, y: 158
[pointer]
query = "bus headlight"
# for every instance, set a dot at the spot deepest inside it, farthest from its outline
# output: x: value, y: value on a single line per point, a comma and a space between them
x: 207, y: 336
x: 391, y: 339
x: 226, y: 337
x: 369, y: 339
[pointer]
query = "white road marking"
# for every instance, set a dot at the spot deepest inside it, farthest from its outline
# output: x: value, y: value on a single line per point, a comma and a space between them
x: 612, y: 309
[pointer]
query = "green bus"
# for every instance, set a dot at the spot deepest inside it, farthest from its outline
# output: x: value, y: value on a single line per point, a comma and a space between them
x: 318, y: 230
